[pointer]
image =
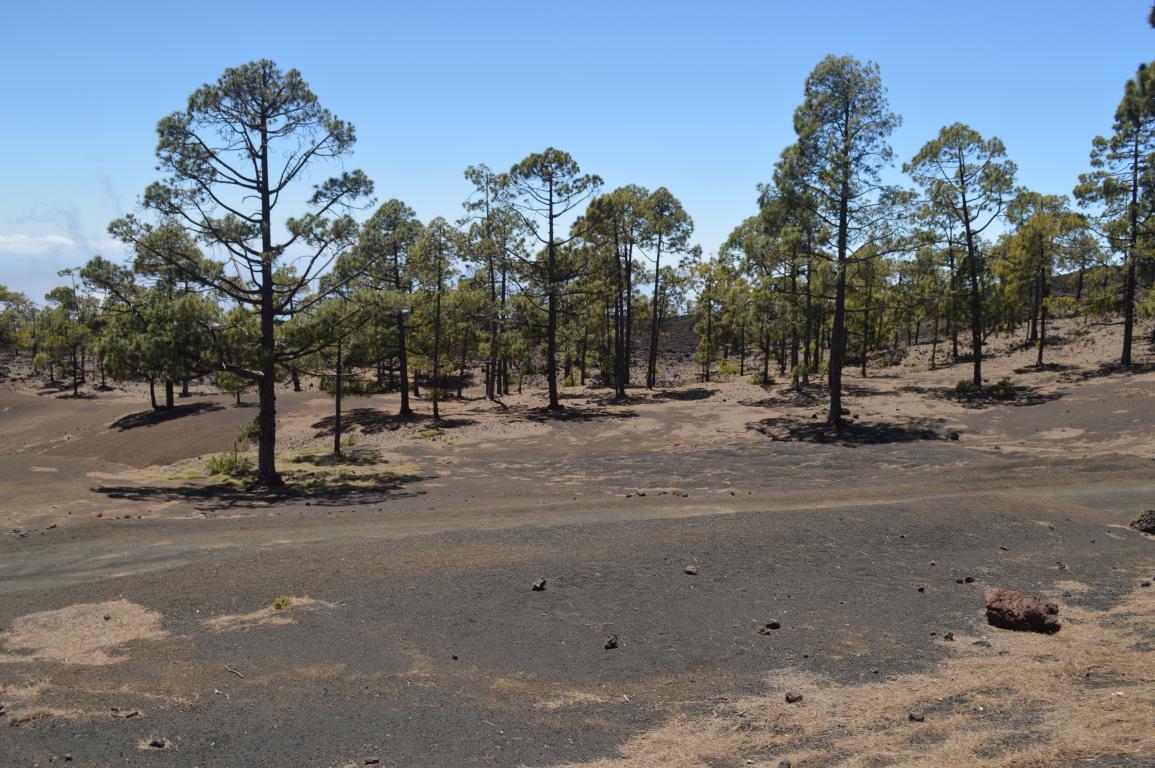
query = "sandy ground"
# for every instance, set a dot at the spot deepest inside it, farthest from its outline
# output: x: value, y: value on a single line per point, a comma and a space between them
x: 153, y: 615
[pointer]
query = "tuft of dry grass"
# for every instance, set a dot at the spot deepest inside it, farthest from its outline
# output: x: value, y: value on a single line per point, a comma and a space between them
x: 276, y: 614
x: 1029, y: 701
x: 88, y: 634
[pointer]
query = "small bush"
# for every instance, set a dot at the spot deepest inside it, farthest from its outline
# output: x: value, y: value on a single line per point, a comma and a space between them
x: 250, y: 432
x: 759, y: 380
x: 728, y: 368
x: 967, y: 387
x: 282, y: 602
x: 1005, y: 390
x: 428, y: 433
x: 232, y: 464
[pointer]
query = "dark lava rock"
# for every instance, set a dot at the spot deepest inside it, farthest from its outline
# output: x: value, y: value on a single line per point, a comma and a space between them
x: 611, y: 642
x: 1145, y: 522
x: 539, y: 585
x: 770, y: 627
x: 792, y: 697
x: 916, y: 716
x: 157, y: 744
x: 1012, y: 610
x: 982, y: 643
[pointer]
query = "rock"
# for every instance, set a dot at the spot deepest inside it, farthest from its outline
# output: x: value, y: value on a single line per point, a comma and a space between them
x: 691, y: 570
x: 1142, y: 584
x: 783, y: 764
x: 372, y: 761
x: 769, y: 627
x: 952, y: 435
x: 611, y: 641
x: 969, y: 580
x: 1145, y: 522
x: 1012, y: 610
x: 922, y: 589
x: 916, y: 716
x: 158, y: 744
x: 792, y: 697
x: 982, y: 643
x: 539, y: 585
x: 949, y: 636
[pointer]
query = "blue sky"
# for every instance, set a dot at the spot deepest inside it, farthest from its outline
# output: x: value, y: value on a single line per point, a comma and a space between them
x: 695, y: 97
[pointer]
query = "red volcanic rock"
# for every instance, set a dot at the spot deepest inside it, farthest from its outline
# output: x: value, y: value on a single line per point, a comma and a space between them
x: 1013, y: 610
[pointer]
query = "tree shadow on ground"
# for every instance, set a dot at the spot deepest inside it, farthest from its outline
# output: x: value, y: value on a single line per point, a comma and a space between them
x: 301, y: 486
x: 571, y: 414
x: 1075, y: 376
x: 850, y: 435
x: 371, y: 421
x: 1046, y: 368
x: 152, y: 417
x: 802, y: 397
x: 693, y: 393
x: 987, y: 397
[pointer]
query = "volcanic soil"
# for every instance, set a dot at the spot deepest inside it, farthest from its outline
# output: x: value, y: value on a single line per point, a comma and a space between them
x: 702, y: 550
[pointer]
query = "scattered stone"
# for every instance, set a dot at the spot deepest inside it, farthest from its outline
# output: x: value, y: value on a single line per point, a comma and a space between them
x: 922, y: 589
x: 52, y: 526
x: 691, y: 570
x: 1142, y: 584
x: 958, y: 581
x: 916, y: 716
x: 14, y: 722
x: 769, y: 627
x: 783, y: 764
x: 372, y: 761
x: 982, y: 643
x: 158, y: 743
x: 969, y: 580
x: 1004, y: 549
x: 108, y: 617
x: 952, y: 435
x: 68, y: 757
x: 949, y: 636
x: 1012, y: 610
x: 539, y: 585
x: 792, y: 697
x: 1145, y: 522
x: 611, y: 641
x: 100, y: 514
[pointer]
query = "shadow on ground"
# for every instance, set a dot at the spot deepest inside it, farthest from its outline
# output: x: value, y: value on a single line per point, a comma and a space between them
x: 152, y: 417
x: 314, y: 488
x: 852, y: 435
x: 372, y: 421
x: 572, y: 414
x: 695, y: 393
x: 988, y: 397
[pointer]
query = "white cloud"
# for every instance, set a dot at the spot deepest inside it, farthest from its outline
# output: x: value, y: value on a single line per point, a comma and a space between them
x: 34, y: 245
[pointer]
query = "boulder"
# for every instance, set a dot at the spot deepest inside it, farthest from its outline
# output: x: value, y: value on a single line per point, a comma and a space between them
x: 1013, y: 610
x: 1145, y: 522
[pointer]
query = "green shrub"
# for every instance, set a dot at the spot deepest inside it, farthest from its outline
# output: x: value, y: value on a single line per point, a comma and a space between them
x: 967, y: 387
x: 282, y: 602
x: 249, y: 432
x: 1005, y: 389
x: 231, y: 464
x: 728, y: 368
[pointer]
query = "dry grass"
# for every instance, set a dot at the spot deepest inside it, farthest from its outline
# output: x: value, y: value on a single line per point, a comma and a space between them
x: 270, y: 616
x: 89, y: 634
x: 1029, y: 701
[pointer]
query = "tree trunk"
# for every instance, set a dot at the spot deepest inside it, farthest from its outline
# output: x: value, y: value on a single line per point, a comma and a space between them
x: 655, y: 321
x: 337, y: 387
